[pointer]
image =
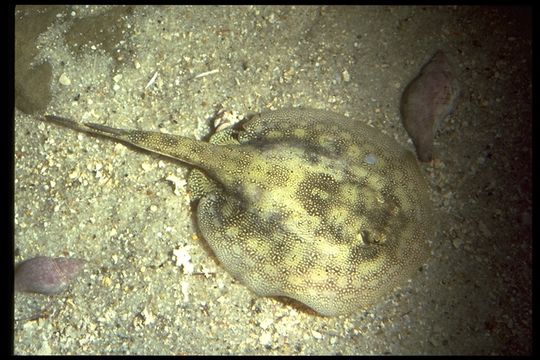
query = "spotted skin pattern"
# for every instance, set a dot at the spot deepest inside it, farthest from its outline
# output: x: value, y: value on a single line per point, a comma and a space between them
x: 304, y: 203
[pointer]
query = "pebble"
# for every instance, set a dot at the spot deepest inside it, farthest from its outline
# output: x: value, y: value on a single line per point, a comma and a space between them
x: 266, y: 323
x: 483, y: 229
x: 185, y: 291
x: 64, y: 80
x: 266, y: 339
x: 457, y: 242
x: 346, y: 76
x: 147, y: 167
x: 149, y: 318
x: 106, y: 281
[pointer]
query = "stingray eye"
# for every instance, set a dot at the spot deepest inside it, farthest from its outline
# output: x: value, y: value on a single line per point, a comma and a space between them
x: 370, y: 159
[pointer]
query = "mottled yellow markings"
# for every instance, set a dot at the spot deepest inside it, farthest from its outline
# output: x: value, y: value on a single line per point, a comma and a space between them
x: 350, y: 192
x: 293, y: 258
x: 232, y: 231
x: 259, y: 246
x: 337, y: 215
x: 296, y: 280
x: 274, y: 134
x: 376, y: 182
x: 346, y: 136
x: 303, y: 203
x: 317, y: 275
x: 326, y: 140
x: 271, y: 270
x: 299, y: 133
x: 353, y: 151
x: 331, y: 250
x: 360, y: 171
x: 342, y: 282
x: 320, y: 128
x: 369, y: 197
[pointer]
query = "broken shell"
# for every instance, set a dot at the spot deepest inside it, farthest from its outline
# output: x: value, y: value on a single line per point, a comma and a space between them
x: 45, y: 275
x: 428, y: 99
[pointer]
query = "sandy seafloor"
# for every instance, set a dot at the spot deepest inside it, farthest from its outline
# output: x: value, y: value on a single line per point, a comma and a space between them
x: 91, y: 198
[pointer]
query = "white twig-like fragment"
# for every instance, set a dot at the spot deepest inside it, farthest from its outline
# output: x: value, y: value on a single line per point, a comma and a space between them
x: 152, y: 80
x: 206, y: 73
x: 185, y: 291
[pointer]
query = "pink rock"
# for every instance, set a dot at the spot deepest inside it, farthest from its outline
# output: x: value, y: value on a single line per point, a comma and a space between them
x: 428, y: 99
x: 45, y: 275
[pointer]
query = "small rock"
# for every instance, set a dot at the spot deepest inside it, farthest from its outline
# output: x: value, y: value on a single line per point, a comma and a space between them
x: 345, y: 75
x: 266, y: 339
x: 146, y: 166
x: 64, y: 80
x: 106, y: 281
x: 149, y: 318
x: 457, y: 242
x: 317, y: 335
x: 484, y: 230
x: 266, y: 323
